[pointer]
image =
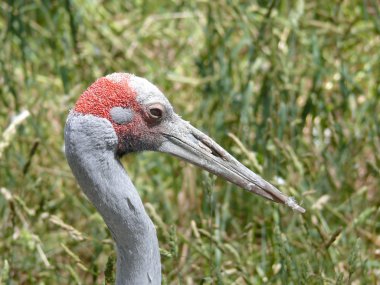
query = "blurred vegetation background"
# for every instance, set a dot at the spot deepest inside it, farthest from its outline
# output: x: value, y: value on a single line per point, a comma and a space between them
x: 291, y: 88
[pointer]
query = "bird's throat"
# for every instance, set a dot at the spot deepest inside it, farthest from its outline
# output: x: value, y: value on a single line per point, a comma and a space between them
x: 89, y: 145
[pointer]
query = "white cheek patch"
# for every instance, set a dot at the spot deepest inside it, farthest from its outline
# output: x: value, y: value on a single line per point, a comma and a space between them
x: 121, y: 115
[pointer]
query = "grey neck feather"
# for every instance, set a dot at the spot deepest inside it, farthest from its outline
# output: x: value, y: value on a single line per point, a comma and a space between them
x: 90, y: 144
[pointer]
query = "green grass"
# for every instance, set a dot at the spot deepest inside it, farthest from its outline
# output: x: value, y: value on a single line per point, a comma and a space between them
x: 291, y: 88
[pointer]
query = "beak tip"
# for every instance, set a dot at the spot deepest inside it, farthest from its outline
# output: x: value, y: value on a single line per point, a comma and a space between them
x: 291, y: 202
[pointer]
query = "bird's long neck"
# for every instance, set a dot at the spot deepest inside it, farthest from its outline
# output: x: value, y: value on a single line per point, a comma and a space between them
x: 90, y: 153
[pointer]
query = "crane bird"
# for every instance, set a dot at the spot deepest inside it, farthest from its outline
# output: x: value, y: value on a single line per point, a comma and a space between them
x: 122, y: 113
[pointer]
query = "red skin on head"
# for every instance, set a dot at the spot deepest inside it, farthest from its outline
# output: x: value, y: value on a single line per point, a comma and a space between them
x: 105, y: 94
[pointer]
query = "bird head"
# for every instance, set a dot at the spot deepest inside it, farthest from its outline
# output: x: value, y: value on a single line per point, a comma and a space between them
x: 143, y: 119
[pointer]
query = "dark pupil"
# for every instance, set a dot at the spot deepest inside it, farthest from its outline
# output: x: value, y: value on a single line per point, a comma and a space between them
x: 156, y: 112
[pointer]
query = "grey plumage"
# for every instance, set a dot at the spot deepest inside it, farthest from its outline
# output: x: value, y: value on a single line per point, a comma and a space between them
x: 90, y: 150
x: 94, y: 143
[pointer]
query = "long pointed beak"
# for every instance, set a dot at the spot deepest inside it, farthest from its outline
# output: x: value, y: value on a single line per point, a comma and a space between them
x: 188, y: 143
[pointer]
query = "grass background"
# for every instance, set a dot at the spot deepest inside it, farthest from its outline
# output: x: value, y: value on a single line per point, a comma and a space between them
x: 291, y: 88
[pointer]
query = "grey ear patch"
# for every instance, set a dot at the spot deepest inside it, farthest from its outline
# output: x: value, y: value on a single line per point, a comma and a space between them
x: 121, y: 115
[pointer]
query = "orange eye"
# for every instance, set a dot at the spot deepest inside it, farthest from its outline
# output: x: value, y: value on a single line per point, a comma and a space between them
x: 156, y: 111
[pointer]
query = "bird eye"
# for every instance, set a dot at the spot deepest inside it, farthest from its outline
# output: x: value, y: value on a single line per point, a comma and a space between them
x: 156, y: 111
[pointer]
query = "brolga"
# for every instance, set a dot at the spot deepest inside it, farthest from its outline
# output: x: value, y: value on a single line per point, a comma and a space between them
x: 123, y: 113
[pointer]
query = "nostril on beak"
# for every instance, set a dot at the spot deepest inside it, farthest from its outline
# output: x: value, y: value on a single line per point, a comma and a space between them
x: 210, y: 146
x: 205, y: 147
